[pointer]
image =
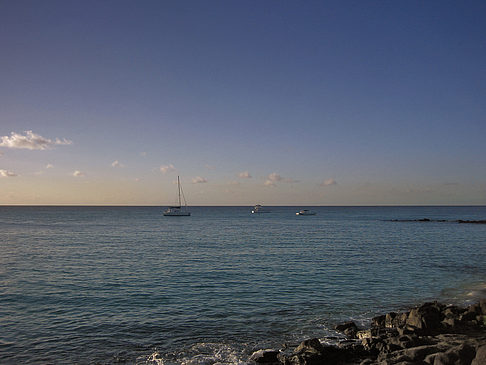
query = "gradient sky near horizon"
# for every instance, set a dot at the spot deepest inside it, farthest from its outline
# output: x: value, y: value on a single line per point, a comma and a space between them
x: 271, y: 102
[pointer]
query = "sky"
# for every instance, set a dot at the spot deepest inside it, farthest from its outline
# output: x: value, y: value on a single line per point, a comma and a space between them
x: 270, y: 102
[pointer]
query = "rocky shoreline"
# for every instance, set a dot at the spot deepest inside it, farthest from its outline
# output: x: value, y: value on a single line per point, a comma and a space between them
x: 431, y: 334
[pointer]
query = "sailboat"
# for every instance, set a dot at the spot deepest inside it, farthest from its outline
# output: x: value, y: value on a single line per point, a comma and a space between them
x: 178, y: 210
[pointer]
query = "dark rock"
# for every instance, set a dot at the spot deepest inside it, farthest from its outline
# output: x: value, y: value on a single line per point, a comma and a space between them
x: 426, y: 318
x: 459, y: 355
x: 480, y: 358
x: 349, y: 329
x: 389, y: 317
x: 468, y: 316
x: 452, y: 311
x: 378, y: 321
x: 366, y: 362
x: 265, y: 356
x: 312, y: 345
x: 482, y: 304
x: 419, y: 353
x: 312, y: 352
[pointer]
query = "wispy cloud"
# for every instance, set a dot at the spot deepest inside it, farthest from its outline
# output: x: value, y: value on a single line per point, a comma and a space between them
x: 49, y: 166
x: 210, y: 167
x: 199, y: 180
x: 269, y: 183
x: 328, y: 182
x: 167, y: 168
x: 117, y: 163
x: 234, y: 183
x: 244, y: 175
x: 6, y: 173
x: 143, y: 154
x: 273, y: 178
x: 31, y: 141
x: 78, y: 173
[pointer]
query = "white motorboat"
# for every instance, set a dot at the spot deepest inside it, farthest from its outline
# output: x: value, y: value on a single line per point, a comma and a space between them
x: 259, y: 209
x: 178, y: 210
x: 306, y: 212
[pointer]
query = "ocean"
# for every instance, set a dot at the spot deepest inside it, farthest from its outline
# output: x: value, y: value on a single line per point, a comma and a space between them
x: 126, y: 285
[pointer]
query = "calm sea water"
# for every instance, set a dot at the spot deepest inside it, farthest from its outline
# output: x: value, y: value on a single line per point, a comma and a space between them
x: 128, y: 285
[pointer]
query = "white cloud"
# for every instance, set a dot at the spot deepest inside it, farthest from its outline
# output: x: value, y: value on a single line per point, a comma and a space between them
x: 199, y: 180
x: 31, y: 141
x: 244, y: 175
x: 117, y: 164
x: 210, y: 167
x: 234, y: 183
x: 274, y: 177
x: 143, y: 154
x: 269, y: 183
x: 6, y: 173
x: 49, y: 166
x: 167, y: 168
x: 329, y: 182
x: 78, y: 173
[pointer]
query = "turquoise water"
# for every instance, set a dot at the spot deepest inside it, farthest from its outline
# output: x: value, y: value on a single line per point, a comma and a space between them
x: 128, y: 285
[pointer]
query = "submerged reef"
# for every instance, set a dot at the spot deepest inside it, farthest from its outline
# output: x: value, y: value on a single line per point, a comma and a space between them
x: 432, y: 333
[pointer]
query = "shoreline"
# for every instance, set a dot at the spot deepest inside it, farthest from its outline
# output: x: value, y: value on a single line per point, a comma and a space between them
x: 431, y: 333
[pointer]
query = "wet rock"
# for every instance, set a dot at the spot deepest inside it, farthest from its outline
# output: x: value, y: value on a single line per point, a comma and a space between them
x: 363, y: 334
x: 482, y: 304
x: 349, y: 329
x: 378, y: 321
x: 265, y: 356
x: 480, y: 358
x: 426, y: 318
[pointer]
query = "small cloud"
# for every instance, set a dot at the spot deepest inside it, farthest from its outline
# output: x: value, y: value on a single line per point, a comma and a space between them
x: 199, y: 180
x: 31, y: 141
x: 78, y: 173
x: 143, y: 154
x: 270, y: 183
x: 244, y: 175
x: 234, y: 183
x: 274, y: 177
x: 328, y: 182
x: 6, y: 173
x: 117, y: 164
x: 1, y: 154
x: 167, y: 168
x: 49, y: 166
x: 210, y: 167
x: 137, y: 179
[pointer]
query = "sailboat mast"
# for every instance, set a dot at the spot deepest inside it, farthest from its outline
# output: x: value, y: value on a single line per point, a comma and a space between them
x: 179, y: 189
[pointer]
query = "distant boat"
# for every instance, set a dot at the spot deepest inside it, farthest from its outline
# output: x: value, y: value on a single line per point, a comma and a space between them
x: 178, y: 210
x: 306, y: 212
x: 259, y: 209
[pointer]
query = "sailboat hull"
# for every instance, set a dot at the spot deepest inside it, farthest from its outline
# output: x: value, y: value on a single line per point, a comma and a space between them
x: 177, y: 214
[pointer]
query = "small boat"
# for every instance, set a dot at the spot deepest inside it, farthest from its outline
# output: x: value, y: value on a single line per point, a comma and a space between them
x: 259, y: 209
x: 178, y: 210
x: 306, y: 212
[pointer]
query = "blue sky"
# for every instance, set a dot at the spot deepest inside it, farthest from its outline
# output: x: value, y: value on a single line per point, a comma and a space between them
x: 323, y: 103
